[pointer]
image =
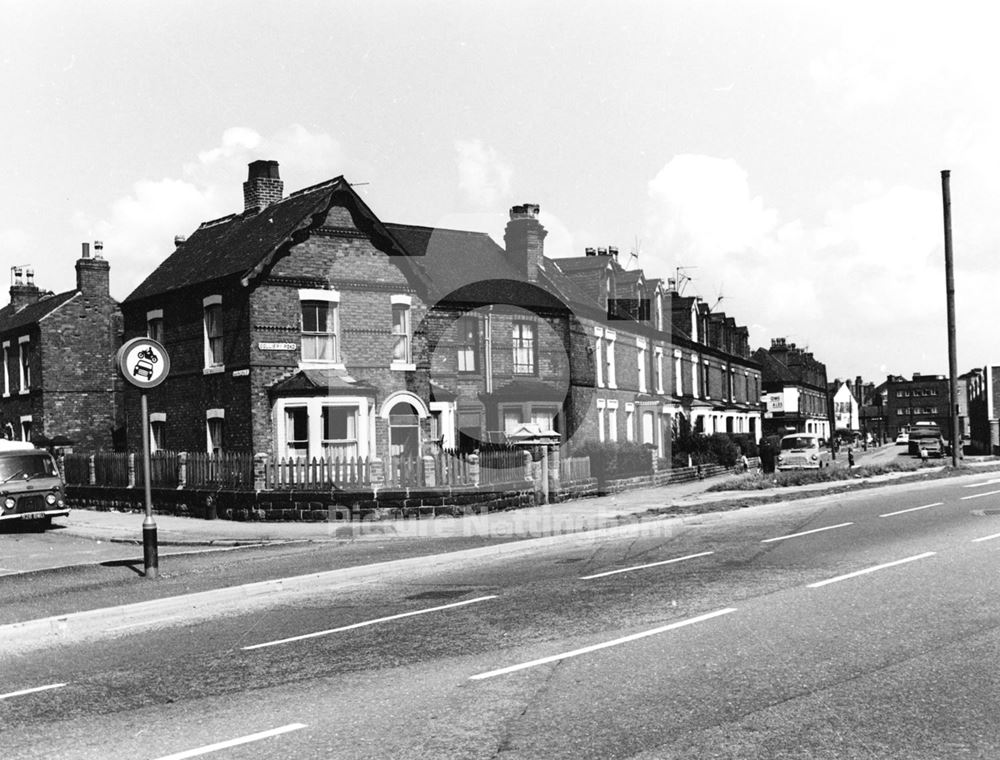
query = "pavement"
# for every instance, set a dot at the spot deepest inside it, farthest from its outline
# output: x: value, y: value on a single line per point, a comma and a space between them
x: 566, y: 517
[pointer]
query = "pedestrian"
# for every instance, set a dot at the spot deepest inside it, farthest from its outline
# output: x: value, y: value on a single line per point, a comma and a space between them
x: 850, y: 457
x: 744, y: 463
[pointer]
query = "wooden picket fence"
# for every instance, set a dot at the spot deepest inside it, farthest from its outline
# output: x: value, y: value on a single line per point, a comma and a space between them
x: 574, y: 468
x: 318, y: 473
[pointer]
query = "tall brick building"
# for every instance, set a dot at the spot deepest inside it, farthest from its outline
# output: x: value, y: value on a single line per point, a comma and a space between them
x: 796, y: 390
x: 306, y: 326
x: 59, y: 377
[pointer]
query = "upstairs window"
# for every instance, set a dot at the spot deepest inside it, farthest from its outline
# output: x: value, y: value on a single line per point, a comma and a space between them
x: 319, y: 331
x: 6, y: 369
x: 24, y: 361
x: 524, y: 348
x: 154, y: 325
x: 213, y: 332
x: 401, y: 334
x: 467, y: 343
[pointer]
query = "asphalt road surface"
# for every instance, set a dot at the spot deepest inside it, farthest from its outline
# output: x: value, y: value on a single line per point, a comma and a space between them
x: 855, y: 626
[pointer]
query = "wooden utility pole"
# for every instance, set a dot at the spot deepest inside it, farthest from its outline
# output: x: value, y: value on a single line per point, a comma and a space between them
x: 949, y: 276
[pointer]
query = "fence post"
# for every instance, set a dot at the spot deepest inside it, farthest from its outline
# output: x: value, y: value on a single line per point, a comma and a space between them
x: 131, y: 469
x: 377, y: 471
x: 555, y: 472
x: 182, y: 469
x: 430, y: 476
x: 474, y: 468
x: 259, y: 472
x: 92, y: 469
x: 526, y: 463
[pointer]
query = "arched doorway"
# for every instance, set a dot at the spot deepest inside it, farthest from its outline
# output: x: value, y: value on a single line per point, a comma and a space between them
x: 404, y: 430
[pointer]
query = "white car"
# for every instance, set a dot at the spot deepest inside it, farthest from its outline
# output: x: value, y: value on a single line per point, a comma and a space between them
x: 903, y: 439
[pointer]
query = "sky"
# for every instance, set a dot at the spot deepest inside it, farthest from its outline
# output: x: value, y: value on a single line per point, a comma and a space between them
x: 784, y: 157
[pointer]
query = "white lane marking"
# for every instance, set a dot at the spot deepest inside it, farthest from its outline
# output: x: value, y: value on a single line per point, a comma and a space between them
x: 643, y: 567
x: 140, y: 623
x: 912, y: 509
x: 806, y: 532
x: 977, y: 495
x: 233, y: 742
x: 22, y: 692
x: 605, y: 645
x: 992, y: 482
x: 986, y: 538
x: 871, y: 569
x: 317, y: 634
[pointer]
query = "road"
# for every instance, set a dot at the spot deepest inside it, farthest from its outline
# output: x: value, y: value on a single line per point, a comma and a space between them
x: 855, y: 626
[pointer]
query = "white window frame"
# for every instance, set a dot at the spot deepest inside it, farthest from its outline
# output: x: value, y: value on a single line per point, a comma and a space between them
x: 641, y: 348
x: 658, y: 353
x: 212, y: 366
x: 25, y: 419
x: 601, y: 404
x: 213, y: 417
x: 517, y: 337
x: 610, y: 337
x: 678, y: 373
x: 156, y: 418
x: 402, y: 303
x: 598, y: 355
x: 629, y: 421
x: 314, y: 423
x: 24, y: 363
x: 612, y: 406
x: 6, y: 368
x: 328, y: 296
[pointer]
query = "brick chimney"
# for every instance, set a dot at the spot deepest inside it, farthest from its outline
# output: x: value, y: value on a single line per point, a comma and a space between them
x: 524, y: 239
x: 263, y: 186
x: 93, y: 273
x: 23, y: 292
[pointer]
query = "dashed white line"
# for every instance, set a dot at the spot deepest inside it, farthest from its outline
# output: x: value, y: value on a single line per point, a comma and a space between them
x: 871, y: 569
x: 604, y: 645
x: 233, y: 742
x: 317, y: 634
x: 806, y: 532
x: 643, y: 567
x: 979, y: 495
x: 912, y: 509
x: 22, y: 692
x: 986, y: 538
x: 992, y: 482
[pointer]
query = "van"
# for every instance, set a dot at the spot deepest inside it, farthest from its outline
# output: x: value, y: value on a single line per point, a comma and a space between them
x: 31, y: 487
x: 803, y: 451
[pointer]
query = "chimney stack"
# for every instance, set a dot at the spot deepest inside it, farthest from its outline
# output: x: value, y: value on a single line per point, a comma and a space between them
x: 21, y: 293
x: 93, y: 274
x: 524, y: 239
x: 263, y: 186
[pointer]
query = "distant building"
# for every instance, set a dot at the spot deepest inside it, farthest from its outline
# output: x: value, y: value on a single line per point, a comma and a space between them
x: 924, y: 398
x: 796, y: 397
x: 59, y: 378
x: 846, y: 406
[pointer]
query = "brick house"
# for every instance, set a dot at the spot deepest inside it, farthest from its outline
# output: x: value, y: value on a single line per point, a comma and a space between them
x: 59, y: 377
x: 796, y: 391
x: 924, y: 398
x: 305, y: 326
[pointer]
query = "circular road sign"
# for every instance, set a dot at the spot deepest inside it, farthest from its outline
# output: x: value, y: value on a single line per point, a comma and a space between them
x: 143, y: 362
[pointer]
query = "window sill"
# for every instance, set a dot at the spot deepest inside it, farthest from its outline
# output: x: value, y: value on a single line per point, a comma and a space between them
x: 403, y: 367
x: 307, y: 364
x: 216, y: 370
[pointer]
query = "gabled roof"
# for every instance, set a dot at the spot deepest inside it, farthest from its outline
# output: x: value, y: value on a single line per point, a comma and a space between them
x: 772, y: 370
x: 247, y: 244
x: 32, y: 313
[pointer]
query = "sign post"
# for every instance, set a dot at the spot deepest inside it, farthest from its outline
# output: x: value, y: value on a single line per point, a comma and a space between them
x: 144, y: 363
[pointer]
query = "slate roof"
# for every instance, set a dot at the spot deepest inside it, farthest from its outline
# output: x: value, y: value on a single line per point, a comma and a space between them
x: 333, y: 382
x: 773, y: 371
x: 246, y: 244
x: 32, y: 313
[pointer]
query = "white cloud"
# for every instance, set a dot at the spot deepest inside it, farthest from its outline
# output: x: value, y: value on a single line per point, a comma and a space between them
x: 483, y: 177
x: 138, y: 229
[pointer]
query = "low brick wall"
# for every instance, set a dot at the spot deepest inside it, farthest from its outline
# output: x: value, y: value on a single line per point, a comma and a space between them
x: 315, y: 506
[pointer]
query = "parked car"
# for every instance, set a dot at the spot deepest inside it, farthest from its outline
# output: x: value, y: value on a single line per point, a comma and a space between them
x: 803, y: 451
x: 903, y: 439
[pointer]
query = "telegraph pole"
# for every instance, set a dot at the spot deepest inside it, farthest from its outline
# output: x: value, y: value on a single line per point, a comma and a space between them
x: 949, y: 275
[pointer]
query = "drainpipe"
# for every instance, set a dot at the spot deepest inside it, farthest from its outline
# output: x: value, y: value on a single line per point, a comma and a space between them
x: 488, y: 339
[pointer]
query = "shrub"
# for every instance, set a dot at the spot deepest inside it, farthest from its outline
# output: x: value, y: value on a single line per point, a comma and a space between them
x: 611, y: 459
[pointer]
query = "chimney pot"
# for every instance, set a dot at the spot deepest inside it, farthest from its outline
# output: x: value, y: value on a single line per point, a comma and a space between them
x: 85, y: 253
x: 98, y: 249
x: 590, y: 251
x: 180, y: 239
x: 613, y: 252
x: 602, y: 251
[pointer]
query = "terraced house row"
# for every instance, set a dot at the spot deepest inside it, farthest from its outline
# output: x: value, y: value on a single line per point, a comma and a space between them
x: 305, y: 326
